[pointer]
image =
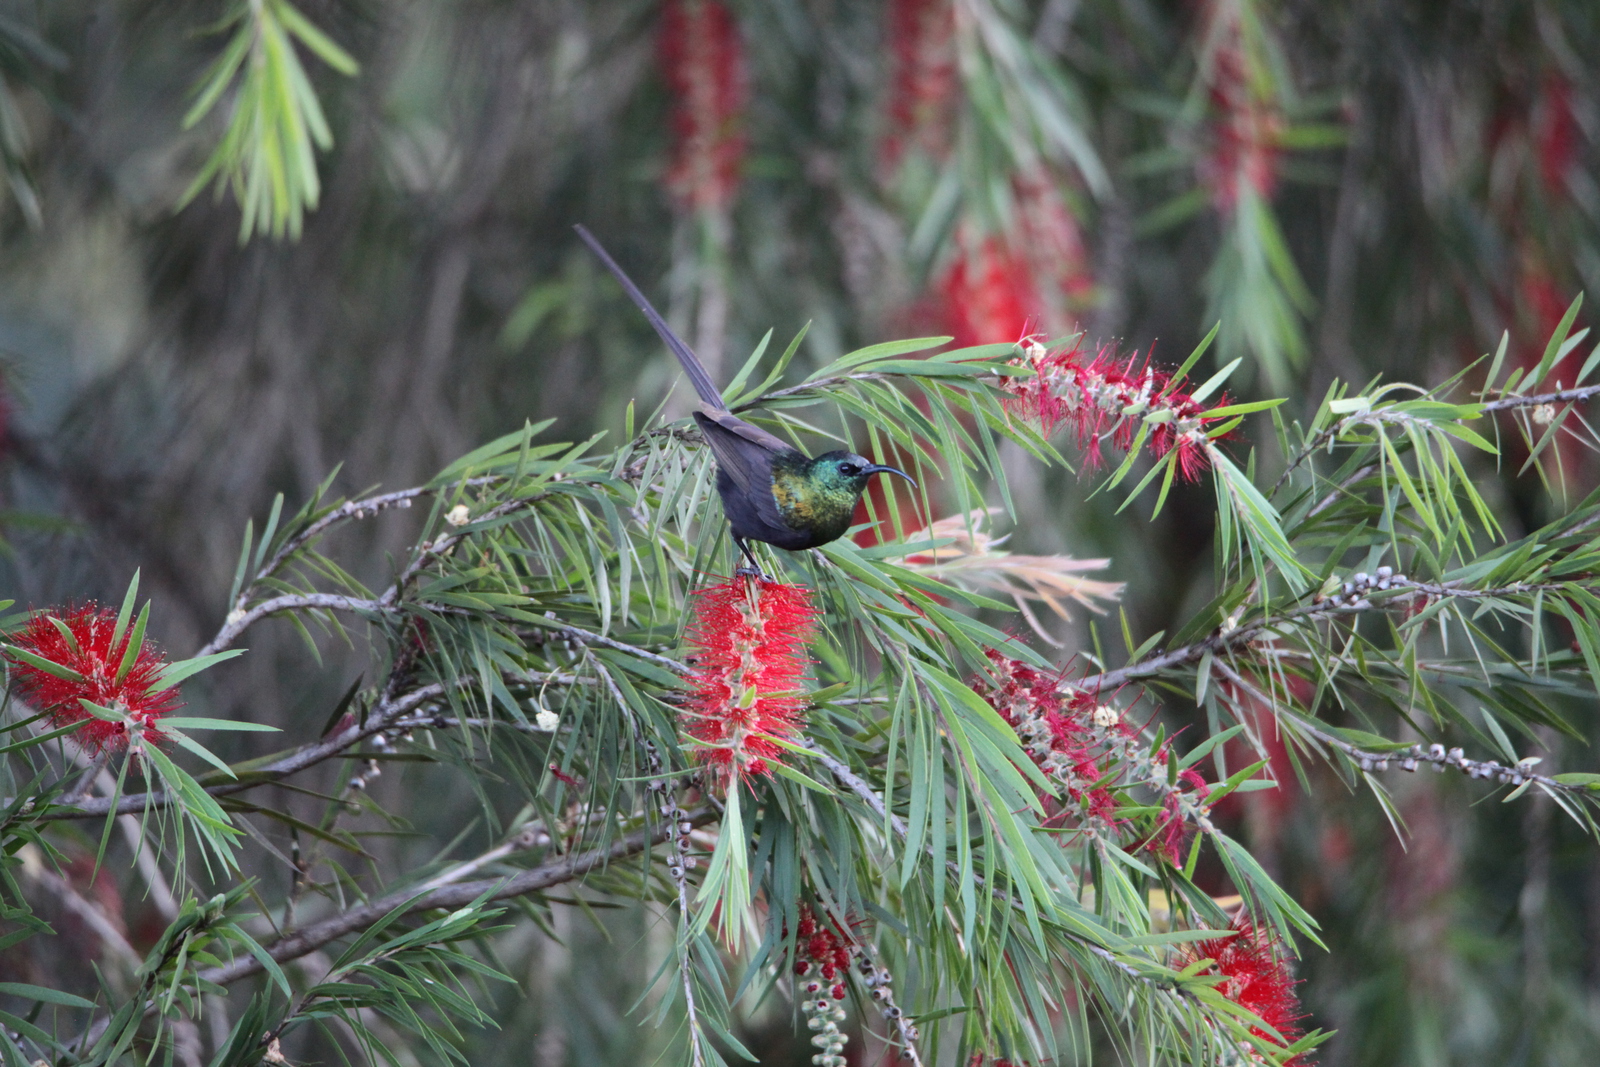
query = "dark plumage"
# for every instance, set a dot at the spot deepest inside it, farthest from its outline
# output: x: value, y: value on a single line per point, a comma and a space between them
x: 770, y: 492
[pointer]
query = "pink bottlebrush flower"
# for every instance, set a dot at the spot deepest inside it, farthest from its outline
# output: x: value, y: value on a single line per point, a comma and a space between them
x: 749, y: 638
x: 922, y: 83
x: 1058, y: 728
x: 1246, y: 126
x: 1090, y: 748
x: 822, y: 955
x: 93, y: 668
x: 703, y: 59
x: 989, y: 294
x: 1256, y: 975
x: 1107, y: 397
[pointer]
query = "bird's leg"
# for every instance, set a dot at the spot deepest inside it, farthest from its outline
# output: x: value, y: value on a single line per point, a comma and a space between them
x: 754, y: 569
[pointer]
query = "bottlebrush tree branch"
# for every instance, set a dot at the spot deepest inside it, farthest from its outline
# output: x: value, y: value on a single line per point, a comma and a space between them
x: 1560, y: 396
x: 390, y: 715
x: 1409, y: 757
x: 455, y: 895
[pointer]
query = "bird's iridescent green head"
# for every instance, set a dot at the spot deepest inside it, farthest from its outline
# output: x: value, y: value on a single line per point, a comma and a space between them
x: 846, y: 474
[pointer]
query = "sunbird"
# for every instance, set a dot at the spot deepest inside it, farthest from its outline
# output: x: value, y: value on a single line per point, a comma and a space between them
x: 770, y: 491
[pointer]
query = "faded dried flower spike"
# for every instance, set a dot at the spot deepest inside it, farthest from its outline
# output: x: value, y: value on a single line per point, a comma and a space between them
x: 78, y: 642
x: 749, y: 638
x: 1056, y: 727
x: 972, y: 558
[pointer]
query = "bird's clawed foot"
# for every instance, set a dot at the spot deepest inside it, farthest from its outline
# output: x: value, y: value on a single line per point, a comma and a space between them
x: 752, y: 569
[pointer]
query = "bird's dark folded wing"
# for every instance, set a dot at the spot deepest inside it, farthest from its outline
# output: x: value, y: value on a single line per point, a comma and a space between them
x: 741, y: 429
x: 743, y: 450
x: 754, y: 434
x: 745, y: 458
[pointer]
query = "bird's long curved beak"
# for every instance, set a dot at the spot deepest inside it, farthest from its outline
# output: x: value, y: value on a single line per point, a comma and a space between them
x: 878, y: 468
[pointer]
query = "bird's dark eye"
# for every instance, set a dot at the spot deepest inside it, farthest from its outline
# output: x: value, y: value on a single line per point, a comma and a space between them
x: 849, y: 469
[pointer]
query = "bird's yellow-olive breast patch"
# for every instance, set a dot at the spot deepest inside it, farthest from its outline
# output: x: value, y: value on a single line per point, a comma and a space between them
x: 795, y: 503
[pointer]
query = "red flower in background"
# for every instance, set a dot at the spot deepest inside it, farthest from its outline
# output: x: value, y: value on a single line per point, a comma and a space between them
x: 90, y: 668
x: 1000, y: 286
x: 749, y: 639
x: 1107, y: 397
x: 1256, y: 975
x: 1246, y: 126
x: 989, y: 294
x: 703, y: 60
x: 922, y: 82
x: 1054, y: 242
x: 1555, y: 133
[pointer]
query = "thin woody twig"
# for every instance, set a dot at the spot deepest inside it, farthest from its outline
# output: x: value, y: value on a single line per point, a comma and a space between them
x: 352, y: 509
x: 241, y: 620
x: 1562, y: 396
x: 1505, y: 403
x: 1408, y: 759
x: 395, y: 713
x: 1227, y: 639
x: 380, y: 719
x: 857, y: 785
x: 458, y: 894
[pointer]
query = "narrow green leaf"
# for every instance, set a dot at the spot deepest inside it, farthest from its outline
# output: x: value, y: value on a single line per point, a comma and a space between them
x: 49, y: 996
x: 191, y: 722
x: 130, y: 654
x: 126, y: 611
x: 184, y: 668
x: 66, y: 674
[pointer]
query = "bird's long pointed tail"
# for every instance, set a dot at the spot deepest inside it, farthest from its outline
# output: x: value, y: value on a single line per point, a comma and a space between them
x: 703, y: 385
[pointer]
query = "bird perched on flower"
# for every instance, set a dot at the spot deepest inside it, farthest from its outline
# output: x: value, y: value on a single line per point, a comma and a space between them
x: 770, y: 491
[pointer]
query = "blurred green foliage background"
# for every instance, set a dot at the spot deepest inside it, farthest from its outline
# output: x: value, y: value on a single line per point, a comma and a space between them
x: 1350, y: 186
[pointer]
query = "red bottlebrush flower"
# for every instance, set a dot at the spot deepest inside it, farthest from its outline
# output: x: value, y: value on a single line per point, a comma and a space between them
x: 1256, y: 975
x: 922, y: 84
x: 703, y: 60
x: 93, y: 665
x: 989, y: 294
x: 1089, y: 748
x: 1107, y: 397
x: 1167, y: 841
x: 822, y: 954
x: 1246, y: 126
x: 749, y: 638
